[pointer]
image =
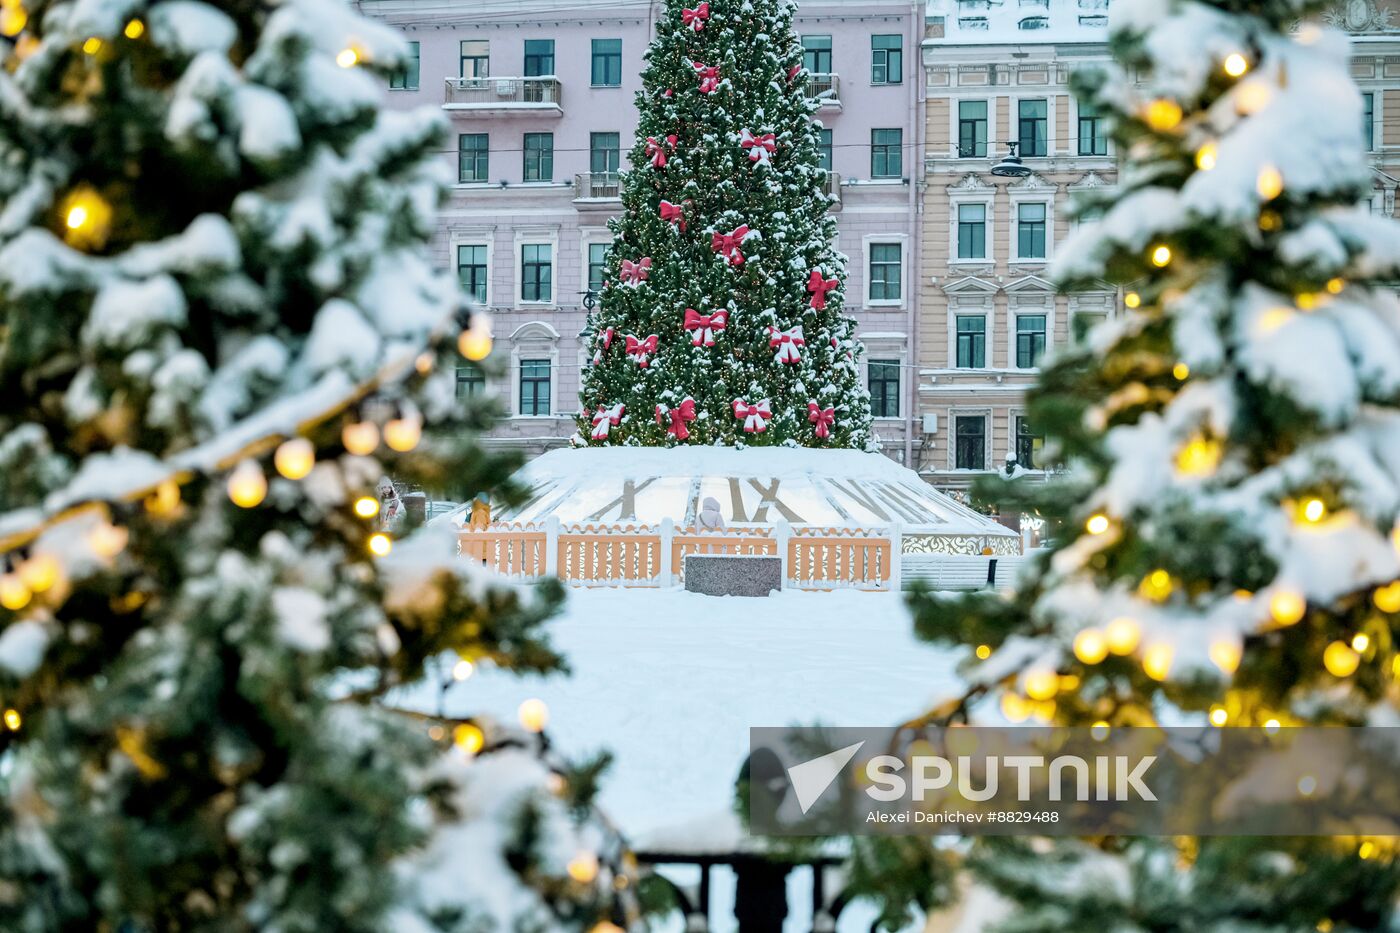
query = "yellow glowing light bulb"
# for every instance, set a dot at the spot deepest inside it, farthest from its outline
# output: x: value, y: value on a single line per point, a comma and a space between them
x: 360, y: 438
x: 1287, y: 607
x: 1161, y: 255
x: 1387, y: 598
x: 984, y: 652
x: 583, y: 867
x: 1041, y: 683
x: 1099, y: 730
x: 12, y: 20
x: 1269, y: 184
x: 1335, y: 286
x: 1132, y: 299
x: 462, y: 669
x: 424, y: 363
x: 403, y: 434
x: 295, y: 458
x: 347, y: 58
x: 1206, y: 156
x: 366, y: 506
x: 1156, y: 586
x: 165, y: 499
x: 1225, y: 654
x: 1366, y: 850
x: 1340, y: 660
x: 1312, y: 510
x: 1090, y: 646
x: 13, y: 720
x: 1199, y: 456
x: 77, y: 216
x: 475, y: 342
x: 134, y: 29
x: 469, y: 738
x: 1360, y: 642
x: 1157, y: 660
x: 1252, y: 97
x: 14, y: 593
x: 107, y: 540
x: 1097, y: 524
x: 1236, y: 64
x: 1181, y: 371
x: 1271, y: 725
x: 87, y: 218
x: 380, y: 544
x: 92, y: 45
x: 40, y: 572
x: 247, y: 486
x: 1163, y: 114
x: 1015, y: 707
x: 533, y: 715
x: 1122, y: 635
x: 1218, y: 716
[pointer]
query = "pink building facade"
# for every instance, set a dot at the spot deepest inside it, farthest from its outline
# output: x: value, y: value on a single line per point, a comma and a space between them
x: 540, y: 95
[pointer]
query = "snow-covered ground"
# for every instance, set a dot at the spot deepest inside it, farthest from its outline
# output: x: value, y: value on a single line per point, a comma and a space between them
x: 671, y: 681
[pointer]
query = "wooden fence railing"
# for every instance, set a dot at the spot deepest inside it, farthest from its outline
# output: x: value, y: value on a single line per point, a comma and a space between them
x: 654, y: 555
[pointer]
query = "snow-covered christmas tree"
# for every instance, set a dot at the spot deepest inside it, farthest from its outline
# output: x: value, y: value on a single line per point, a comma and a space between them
x: 1225, y: 539
x: 221, y: 328
x: 720, y: 321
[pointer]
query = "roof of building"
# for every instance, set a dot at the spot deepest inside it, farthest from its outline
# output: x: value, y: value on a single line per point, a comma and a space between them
x: 994, y: 22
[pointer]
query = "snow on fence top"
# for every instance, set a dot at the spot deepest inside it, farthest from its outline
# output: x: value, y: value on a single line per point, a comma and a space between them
x: 756, y: 486
x: 1020, y: 21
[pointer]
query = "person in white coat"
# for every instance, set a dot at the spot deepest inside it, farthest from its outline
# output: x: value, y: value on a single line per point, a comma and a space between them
x: 710, y: 519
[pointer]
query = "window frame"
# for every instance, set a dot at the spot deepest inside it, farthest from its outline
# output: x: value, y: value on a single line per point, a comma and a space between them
x: 988, y: 201
x: 463, y: 58
x: 543, y: 158
x: 1018, y: 423
x: 958, y: 230
x: 1044, y: 223
x: 826, y: 149
x: 527, y: 55
x: 986, y: 121
x: 883, y: 150
x: 409, y: 77
x: 1045, y: 315
x: 607, y: 57
x: 886, y: 383
x: 482, y: 158
x: 977, y: 348
x: 469, y: 374
x: 817, y: 53
x: 594, y: 151
x: 1098, y: 136
x: 485, y: 266
x: 535, y: 381
x: 870, y: 244
x: 521, y: 266
x: 955, y: 446
x: 588, y: 264
x: 1368, y: 115
x: 1048, y: 120
x: 890, y: 59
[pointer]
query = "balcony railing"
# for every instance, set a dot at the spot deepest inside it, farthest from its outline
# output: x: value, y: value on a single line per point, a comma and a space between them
x: 503, y: 94
x: 598, y: 186
x: 831, y: 186
x: 825, y: 87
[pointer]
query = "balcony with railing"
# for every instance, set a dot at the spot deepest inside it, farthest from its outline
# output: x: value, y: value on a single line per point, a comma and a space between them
x: 598, y: 186
x: 831, y: 187
x: 532, y: 96
x: 825, y: 87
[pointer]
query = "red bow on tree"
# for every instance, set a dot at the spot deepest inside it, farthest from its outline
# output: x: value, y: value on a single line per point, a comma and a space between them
x: 695, y: 18
x: 704, y: 326
x: 605, y: 418
x: 635, y: 273
x: 755, y: 416
x: 657, y: 151
x: 709, y: 77
x: 793, y: 72
x: 823, y: 418
x: 759, y: 147
x: 729, y: 244
x: 672, y: 214
x: 641, y: 350
x: 786, y: 343
x: 607, y: 339
x: 678, y: 416
x: 819, y: 286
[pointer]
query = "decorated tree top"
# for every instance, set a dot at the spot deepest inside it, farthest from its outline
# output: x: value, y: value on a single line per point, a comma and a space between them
x: 721, y: 318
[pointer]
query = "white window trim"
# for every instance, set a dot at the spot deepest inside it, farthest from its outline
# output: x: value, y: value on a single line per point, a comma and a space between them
x: 1044, y: 196
x: 1011, y: 416
x: 989, y: 323
x: 991, y: 101
x: 487, y: 240
x: 952, y: 445
x: 524, y: 238
x: 1013, y: 313
x: 885, y: 349
x: 1014, y: 127
x: 1074, y: 134
x: 589, y: 236
x: 988, y: 200
x: 534, y: 333
x: 885, y: 239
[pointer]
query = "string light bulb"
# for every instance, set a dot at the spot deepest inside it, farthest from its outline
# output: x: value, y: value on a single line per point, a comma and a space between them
x: 92, y: 45
x: 1157, y: 660
x: 1219, y: 716
x: 360, y: 437
x: 583, y: 867
x: 1287, y: 607
x: 380, y: 544
x: 1156, y: 586
x: 1097, y: 524
x: 164, y: 500
x: 1099, y: 730
x: 347, y: 58
x: 1132, y: 299
x: 1041, y: 683
x: 366, y: 506
x: 403, y: 434
x: 13, y: 19
x: 475, y: 342
x: 134, y: 29
x: 1181, y: 371
x: 13, y: 720
x: 1387, y: 598
x: 533, y: 714
x: 1161, y: 255
x: 1340, y: 660
x: 468, y: 737
x: 1360, y: 642
x: 40, y: 572
x: 1252, y: 97
x: 1206, y: 156
x: 87, y: 218
x: 1122, y: 635
x: 1163, y: 114
x: 247, y: 486
x: 1090, y: 646
x: 462, y: 670
x: 1269, y: 183
x: 1225, y: 654
x: 1312, y: 510
x: 1199, y: 456
x: 1236, y: 64
x: 1335, y: 285
x: 1015, y: 707
x: 14, y: 593
x: 295, y: 457
x: 107, y: 540
x: 983, y: 652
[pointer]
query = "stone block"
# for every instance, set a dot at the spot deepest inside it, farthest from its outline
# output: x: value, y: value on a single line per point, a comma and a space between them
x: 733, y: 574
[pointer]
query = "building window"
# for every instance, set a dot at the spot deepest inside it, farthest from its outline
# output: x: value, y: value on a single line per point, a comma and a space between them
x: 972, y: 231
x: 1092, y: 138
x: 886, y: 153
x: 473, y: 157
x: 972, y: 129
x: 536, y: 272
x: 1034, y: 22
x: 816, y: 54
x: 1030, y: 340
x: 1033, y: 127
x: 886, y: 59
x: 886, y: 271
x: 406, y: 78
x: 597, y: 266
x: 824, y: 149
x: 539, y: 58
x: 471, y: 271
x: 476, y: 58
x: 970, y: 442
x: 1368, y: 120
x: 1030, y: 231
x: 1085, y: 321
x: 470, y: 381
x: 604, y: 153
x: 1028, y: 446
x: 534, y: 387
x: 607, y: 62
x: 972, y: 341
x: 539, y: 156
x: 884, y: 388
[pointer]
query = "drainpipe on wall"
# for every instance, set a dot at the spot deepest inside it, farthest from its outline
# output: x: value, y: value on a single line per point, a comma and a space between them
x: 916, y: 210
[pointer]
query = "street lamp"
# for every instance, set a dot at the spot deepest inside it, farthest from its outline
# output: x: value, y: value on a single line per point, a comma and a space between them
x: 1011, y: 166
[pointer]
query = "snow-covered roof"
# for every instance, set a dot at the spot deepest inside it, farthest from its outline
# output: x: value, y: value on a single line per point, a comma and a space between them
x: 755, y: 486
x: 979, y: 22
